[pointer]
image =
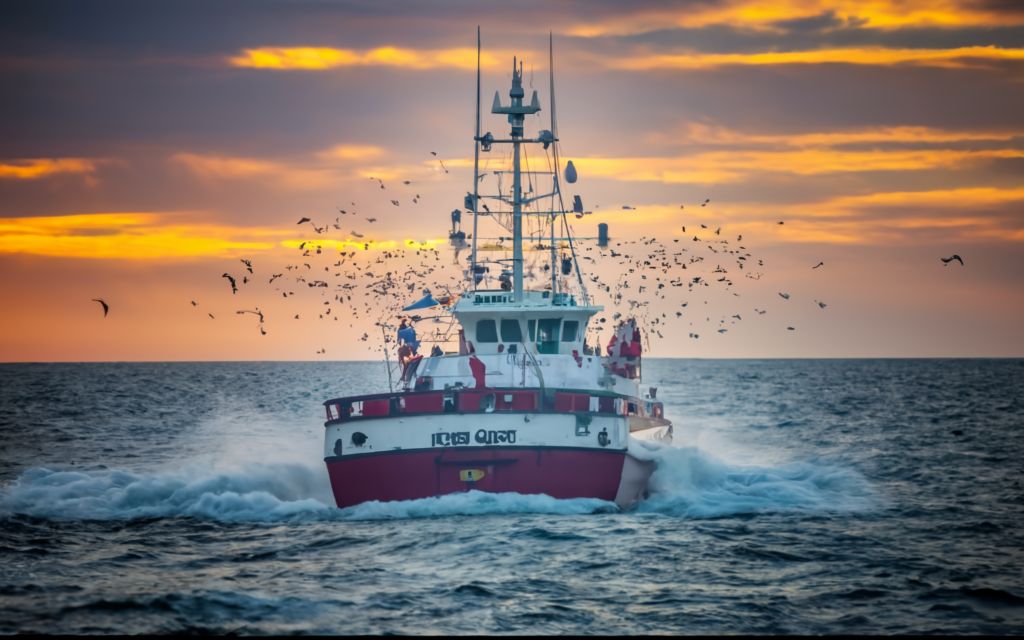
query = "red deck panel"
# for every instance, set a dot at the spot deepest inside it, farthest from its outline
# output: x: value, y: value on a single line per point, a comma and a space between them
x: 469, y: 402
x: 570, y: 402
x: 524, y: 401
x: 375, y: 408
x: 428, y: 403
x: 581, y: 402
x: 563, y: 402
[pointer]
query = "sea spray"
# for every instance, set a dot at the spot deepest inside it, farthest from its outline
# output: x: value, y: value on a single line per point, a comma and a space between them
x: 689, y: 482
x: 255, y: 493
x: 258, y: 492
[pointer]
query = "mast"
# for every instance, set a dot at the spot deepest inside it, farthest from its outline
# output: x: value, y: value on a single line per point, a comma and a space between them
x: 517, y: 113
x: 517, y: 197
x: 476, y: 163
x: 554, y: 176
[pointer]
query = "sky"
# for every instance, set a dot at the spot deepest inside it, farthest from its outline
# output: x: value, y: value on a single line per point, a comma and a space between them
x: 146, y: 148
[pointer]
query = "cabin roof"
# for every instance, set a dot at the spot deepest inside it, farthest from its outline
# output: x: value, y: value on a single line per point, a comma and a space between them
x: 496, y: 301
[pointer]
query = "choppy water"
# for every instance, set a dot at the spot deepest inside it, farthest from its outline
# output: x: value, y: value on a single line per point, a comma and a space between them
x: 874, y: 496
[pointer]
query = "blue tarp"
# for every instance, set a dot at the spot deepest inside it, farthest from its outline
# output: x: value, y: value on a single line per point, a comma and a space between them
x: 422, y: 303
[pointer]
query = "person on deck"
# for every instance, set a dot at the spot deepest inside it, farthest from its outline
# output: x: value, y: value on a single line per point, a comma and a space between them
x: 407, y: 335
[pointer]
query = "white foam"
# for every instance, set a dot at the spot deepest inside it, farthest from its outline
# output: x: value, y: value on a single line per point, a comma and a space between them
x: 259, y: 492
x: 686, y: 483
x: 253, y: 493
x: 476, y: 503
x: 691, y: 483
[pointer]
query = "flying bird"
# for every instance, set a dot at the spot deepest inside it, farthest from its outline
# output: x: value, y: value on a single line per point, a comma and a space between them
x: 784, y: 296
x: 301, y: 220
x: 248, y: 264
x: 820, y: 264
x: 106, y: 307
x: 234, y: 287
x: 955, y: 256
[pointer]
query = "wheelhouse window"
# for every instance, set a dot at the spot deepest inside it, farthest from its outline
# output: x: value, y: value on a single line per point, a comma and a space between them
x: 531, y: 328
x: 569, y: 330
x: 486, y: 331
x: 547, y: 335
x: 511, y: 331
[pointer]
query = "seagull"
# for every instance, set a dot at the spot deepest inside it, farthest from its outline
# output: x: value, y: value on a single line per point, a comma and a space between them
x: 955, y: 256
x: 301, y: 220
x: 821, y: 304
x: 234, y: 288
x: 820, y: 264
x: 257, y: 312
x: 106, y: 307
x: 248, y: 264
x: 194, y: 303
x: 785, y: 296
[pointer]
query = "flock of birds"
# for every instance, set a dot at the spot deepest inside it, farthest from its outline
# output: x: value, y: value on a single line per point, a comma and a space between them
x: 355, y: 284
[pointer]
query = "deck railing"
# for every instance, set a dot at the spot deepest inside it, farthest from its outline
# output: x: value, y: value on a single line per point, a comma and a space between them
x: 488, y: 400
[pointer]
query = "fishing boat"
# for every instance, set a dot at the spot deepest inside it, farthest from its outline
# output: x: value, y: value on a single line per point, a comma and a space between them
x: 523, y: 402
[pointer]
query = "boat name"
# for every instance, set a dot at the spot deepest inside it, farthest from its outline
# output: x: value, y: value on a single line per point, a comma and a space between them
x: 482, y: 436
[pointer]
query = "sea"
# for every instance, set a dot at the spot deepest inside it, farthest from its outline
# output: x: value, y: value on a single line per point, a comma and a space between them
x: 799, y: 497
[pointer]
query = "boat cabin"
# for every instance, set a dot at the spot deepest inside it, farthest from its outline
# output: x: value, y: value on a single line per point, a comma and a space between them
x: 493, y: 323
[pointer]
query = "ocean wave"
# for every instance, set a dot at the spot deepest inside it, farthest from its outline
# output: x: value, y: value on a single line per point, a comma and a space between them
x: 253, y: 493
x: 256, y: 492
x: 689, y: 482
x: 686, y: 483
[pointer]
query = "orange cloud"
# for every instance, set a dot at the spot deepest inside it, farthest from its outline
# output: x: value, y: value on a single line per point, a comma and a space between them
x: 152, y: 236
x: 855, y: 219
x: 44, y: 167
x: 291, y: 174
x: 863, y: 219
x: 324, y: 58
x: 762, y: 16
x: 729, y: 166
x: 953, y: 58
x: 701, y: 133
x: 132, y: 236
x: 352, y: 152
x: 958, y: 198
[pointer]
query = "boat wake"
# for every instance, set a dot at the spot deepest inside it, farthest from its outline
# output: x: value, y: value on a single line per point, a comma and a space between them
x: 687, y: 483
x: 690, y: 483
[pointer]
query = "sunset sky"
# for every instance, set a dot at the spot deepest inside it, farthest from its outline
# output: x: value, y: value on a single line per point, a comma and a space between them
x: 146, y: 147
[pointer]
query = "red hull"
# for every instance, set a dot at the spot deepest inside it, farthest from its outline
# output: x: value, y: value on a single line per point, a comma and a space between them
x: 559, y: 473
